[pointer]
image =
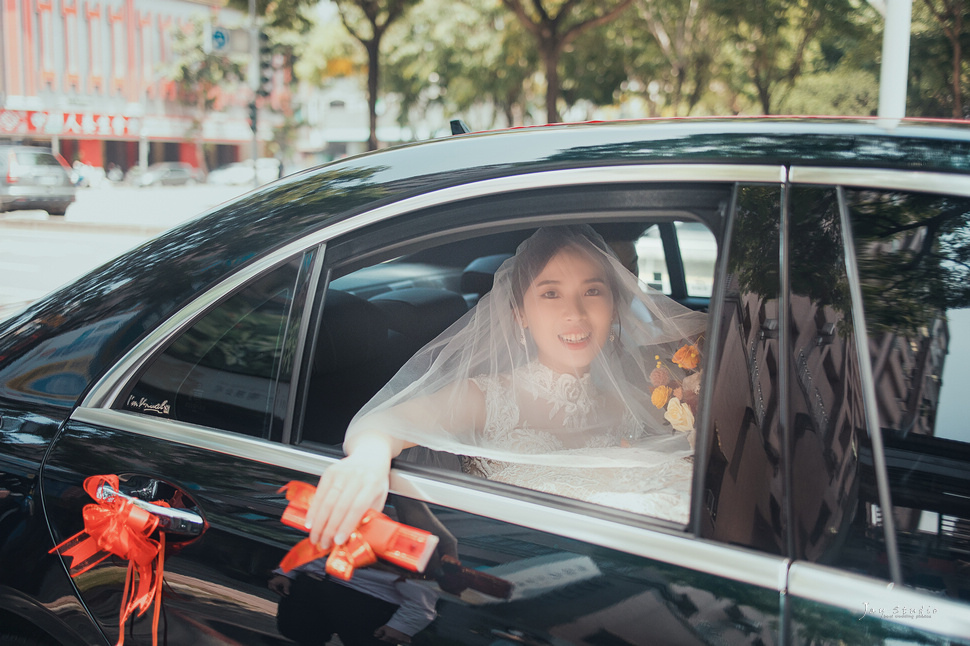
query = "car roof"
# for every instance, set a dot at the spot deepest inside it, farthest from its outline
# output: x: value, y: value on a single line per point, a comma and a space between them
x: 198, y: 254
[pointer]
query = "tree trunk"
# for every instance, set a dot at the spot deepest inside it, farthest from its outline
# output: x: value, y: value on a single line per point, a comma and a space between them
x: 550, y: 58
x: 373, y: 76
x: 957, y: 64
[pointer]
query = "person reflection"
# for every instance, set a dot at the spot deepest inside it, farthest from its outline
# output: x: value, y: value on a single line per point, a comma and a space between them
x: 376, y: 606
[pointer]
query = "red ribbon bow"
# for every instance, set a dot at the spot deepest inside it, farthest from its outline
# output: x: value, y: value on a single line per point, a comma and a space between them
x: 375, y: 536
x: 116, y: 526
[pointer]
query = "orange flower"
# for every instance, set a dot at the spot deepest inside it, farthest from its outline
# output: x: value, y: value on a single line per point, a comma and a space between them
x: 660, y: 396
x: 687, y: 357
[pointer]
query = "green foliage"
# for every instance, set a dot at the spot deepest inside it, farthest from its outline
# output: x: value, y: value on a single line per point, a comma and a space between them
x: 280, y: 15
x: 454, y: 56
x: 931, y: 83
x: 654, y: 57
x: 839, y: 92
x: 200, y: 77
x: 329, y: 52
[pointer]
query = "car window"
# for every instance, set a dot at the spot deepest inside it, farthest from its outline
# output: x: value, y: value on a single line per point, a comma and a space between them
x: 913, y: 251
x: 376, y: 316
x: 231, y: 369
x: 830, y: 484
x: 698, y: 251
x: 743, y: 496
x: 36, y: 159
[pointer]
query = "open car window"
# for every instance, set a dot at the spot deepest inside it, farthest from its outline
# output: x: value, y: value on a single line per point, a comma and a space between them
x: 384, y: 302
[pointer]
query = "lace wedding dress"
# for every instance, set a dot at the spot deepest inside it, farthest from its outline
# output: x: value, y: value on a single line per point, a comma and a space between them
x: 521, y: 410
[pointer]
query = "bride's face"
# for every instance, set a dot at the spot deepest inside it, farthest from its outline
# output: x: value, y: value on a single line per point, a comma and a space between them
x: 569, y: 309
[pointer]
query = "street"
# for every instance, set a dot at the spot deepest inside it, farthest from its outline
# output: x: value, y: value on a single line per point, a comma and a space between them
x: 39, y: 252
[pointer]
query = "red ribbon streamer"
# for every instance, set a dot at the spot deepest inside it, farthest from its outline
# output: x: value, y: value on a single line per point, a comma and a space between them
x: 116, y: 526
x: 375, y: 536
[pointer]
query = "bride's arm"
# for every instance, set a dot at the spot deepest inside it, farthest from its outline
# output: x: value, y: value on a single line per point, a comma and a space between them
x: 360, y: 481
x: 352, y: 486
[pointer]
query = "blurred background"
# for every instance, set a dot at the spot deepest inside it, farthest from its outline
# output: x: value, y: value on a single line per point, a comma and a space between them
x: 115, y: 86
x: 160, y: 109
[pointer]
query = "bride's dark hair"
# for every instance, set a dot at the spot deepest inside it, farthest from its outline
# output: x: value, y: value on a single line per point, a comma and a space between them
x: 534, y: 254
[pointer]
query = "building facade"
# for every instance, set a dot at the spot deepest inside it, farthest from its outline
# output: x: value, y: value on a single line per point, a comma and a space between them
x: 88, y: 78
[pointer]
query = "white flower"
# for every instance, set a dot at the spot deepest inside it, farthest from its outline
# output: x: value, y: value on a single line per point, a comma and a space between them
x: 680, y: 416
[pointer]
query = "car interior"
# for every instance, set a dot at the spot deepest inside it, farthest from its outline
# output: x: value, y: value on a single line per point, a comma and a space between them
x: 379, y: 310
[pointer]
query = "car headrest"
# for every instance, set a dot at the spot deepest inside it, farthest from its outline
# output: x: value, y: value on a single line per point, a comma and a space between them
x: 420, y: 313
x: 352, y: 331
x: 478, y: 276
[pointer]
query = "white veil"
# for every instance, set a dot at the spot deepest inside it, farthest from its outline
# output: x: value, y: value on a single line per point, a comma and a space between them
x: 479, y: 390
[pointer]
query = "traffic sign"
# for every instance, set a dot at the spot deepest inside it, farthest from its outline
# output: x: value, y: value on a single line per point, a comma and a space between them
x: 220, y: 39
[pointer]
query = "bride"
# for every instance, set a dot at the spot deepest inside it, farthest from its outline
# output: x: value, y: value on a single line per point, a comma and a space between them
x: 567, y: 377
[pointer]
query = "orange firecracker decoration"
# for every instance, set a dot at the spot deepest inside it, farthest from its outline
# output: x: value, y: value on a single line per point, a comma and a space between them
x: 377, y: 536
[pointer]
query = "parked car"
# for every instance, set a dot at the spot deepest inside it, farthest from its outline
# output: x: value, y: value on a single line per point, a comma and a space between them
x: 34, y: 178
x: 241, y: 173
x: 169, y: 174
x: 223, y: 359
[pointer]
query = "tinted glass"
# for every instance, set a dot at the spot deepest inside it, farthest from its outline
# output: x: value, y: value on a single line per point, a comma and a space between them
x: 826, y: 414
x: 37, y: 159
x: 231, y: 369
x: 913, y: 254
x: 743, y: 479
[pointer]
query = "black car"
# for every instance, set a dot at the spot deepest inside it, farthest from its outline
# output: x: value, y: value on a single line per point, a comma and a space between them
x: 34, y: 178
x: 223, y: 359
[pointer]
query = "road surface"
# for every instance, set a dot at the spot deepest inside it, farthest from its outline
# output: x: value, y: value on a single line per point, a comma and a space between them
x: 39, y: 252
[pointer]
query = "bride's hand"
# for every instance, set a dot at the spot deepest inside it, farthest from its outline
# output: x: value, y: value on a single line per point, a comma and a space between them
x: 345, y: 492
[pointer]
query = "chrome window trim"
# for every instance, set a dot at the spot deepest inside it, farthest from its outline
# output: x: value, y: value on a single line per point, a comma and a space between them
x: 109, y: 387
x: 918, y: 181
x: 841, y: 589
x: 735, y: 563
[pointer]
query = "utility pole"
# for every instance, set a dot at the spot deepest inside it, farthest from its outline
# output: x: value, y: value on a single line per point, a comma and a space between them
x: 894, y: 71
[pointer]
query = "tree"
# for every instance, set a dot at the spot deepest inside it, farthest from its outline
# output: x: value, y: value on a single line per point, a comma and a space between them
x: 460, y: 57
x: 679, y: 62
x: 203, y: 80
x: 282, y: 16
x: 950, y: 15
x: 776, y: 40
x: 368, y: 21
x: 553, y: 31
x: 938, y: 74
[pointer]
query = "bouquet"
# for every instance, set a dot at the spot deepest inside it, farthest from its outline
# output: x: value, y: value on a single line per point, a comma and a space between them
x: 677, y: 394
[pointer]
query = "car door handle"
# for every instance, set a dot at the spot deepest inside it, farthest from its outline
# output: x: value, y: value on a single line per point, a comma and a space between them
x: 170, y: 519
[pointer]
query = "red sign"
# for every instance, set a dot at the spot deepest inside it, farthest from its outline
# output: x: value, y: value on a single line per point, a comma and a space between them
x: 77, y: 124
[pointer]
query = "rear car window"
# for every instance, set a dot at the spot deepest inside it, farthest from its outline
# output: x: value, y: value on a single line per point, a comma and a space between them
x: 36, y: 159
x: 231, y: 369
x: 913, y: 251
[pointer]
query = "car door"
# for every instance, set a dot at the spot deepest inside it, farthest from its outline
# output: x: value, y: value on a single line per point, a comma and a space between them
x: 877, y: 319
x: 189, y: 429
x: 576, y: 573
x: 204, y: 415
